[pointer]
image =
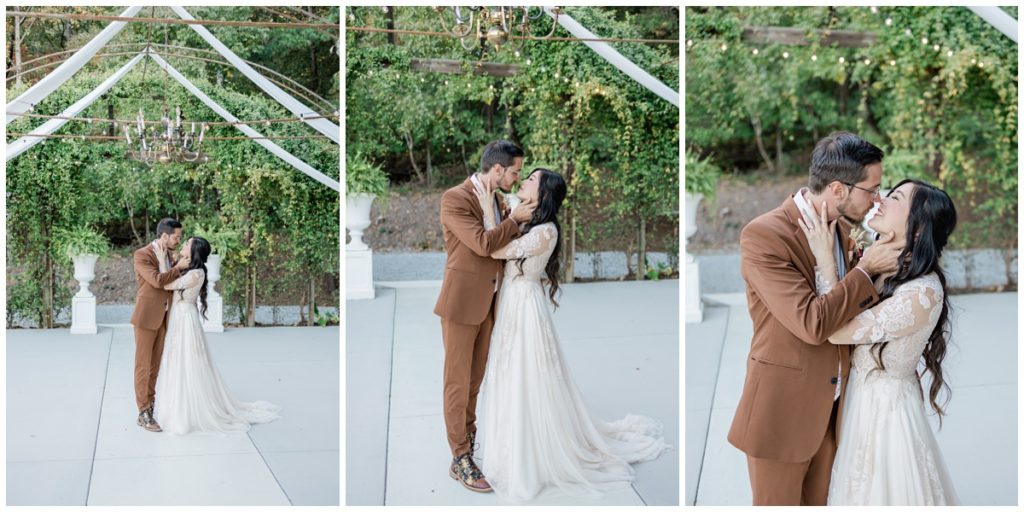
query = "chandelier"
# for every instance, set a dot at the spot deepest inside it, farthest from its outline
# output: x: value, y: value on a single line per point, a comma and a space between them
x: 166, y: 142
x: 495, y: 24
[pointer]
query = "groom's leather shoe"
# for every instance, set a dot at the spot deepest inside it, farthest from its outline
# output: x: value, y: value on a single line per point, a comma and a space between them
x: 465, y: 471
x: 147, y: 422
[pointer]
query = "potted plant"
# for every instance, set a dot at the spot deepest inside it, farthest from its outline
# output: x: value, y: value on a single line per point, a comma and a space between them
x: 222, y: 241
x: 701, y: 181
x: 364, y: 181
x: 83, y: 246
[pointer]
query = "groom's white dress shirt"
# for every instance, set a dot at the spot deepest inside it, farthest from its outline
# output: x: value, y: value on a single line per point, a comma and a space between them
x: 837, y: 249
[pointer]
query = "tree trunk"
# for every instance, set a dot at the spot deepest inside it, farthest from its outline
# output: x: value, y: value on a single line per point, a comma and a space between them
x: 779, y: 167
x: 250, y: 320
x: 407, y: 136
x: 302, y: 308
x: 48, y: 293
x: 17, y: 50
x: 844, y: 96
x: 641, y: 255
x: 392, y: 37
x: 465, y: 163
x: 311, y: 321
x: 146, y: 220
x: 569, y: 251
x: 756, y: 122
x: 430, y: 167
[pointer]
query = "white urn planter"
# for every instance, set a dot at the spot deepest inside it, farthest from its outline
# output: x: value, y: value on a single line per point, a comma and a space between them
x: 694, y: 306
x: 358, y: 255
x: 83, y: 304
x: 357, y: 218
x: 214, y: 321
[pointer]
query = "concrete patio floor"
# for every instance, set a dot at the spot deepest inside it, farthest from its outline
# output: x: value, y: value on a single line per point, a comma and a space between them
x: 621, y: 342
x: 979, y: 433
x: 72, y: 437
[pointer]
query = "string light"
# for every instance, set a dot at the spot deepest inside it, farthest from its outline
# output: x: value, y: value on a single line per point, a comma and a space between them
x: 892, y: 62
x: 724, y: 47
x: 867, y: 62
x: 924, y: 40
x: 814, y: 57
x: 888, y: 22
x: 874, y: 10
x: 754, y: 51
x: 949, y: 53
x: 785, y: 55
x: 842, y: 60
x: 689, y: 42
x: 935, y: 47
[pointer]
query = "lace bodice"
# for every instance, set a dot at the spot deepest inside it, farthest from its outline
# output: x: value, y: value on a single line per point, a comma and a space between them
x: 904, y: 321
x: 190, y: 283
x: 535, y: 246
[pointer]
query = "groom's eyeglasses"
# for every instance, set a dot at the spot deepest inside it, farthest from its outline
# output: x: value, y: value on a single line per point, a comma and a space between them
x: 875, y: 192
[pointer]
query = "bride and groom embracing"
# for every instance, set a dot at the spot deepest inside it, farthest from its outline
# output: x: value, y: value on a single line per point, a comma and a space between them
x: 176, y: 380
x: 499, y: 336
x: 832, y: 409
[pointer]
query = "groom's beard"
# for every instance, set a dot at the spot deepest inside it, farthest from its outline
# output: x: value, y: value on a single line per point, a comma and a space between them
x: 844, y: 211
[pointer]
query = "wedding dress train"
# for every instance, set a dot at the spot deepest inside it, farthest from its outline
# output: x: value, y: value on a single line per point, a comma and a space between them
x: 190, y: 394
x: 537, y: 434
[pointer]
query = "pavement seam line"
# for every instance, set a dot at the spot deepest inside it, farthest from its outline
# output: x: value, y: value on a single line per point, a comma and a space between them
x: 391, y: 378
x: 707, y: 431
x: 267, y: 464
x: 99, y: 417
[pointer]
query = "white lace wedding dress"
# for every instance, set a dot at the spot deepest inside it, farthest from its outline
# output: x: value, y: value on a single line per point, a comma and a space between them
x: 190, y: 395
x: 537, y: 436
x: 887, y: 454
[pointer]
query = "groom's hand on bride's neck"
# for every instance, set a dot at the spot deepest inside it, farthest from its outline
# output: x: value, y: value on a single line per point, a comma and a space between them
x: 524, y: 212
x: 883, y: 256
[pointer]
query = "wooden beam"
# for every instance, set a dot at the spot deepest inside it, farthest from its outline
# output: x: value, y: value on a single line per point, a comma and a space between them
x: 798, y: 36
x: 454, y: 67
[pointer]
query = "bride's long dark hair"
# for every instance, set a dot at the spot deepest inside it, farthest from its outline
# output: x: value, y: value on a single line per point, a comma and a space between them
x: 197, y: 261
x: 551, y: 190
x: 930, y: 222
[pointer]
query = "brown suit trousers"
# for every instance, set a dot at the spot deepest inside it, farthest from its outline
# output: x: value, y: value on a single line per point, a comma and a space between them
x: 466, y: 305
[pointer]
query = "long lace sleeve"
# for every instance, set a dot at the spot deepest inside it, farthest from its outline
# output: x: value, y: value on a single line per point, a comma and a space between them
x: 537, y: 241
x: 192, y: 279
x: 914, y: 306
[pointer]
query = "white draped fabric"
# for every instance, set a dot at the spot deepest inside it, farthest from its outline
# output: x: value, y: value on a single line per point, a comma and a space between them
x: 616, y: 59
x: 41, y: 89
x: 246, y: 129
x: 999, y: 19
x: 24, y: 143
x: 324, y: 126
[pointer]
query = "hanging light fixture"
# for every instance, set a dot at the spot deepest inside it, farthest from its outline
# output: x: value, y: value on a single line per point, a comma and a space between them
x: 496, y: 25
x: 167, y: 142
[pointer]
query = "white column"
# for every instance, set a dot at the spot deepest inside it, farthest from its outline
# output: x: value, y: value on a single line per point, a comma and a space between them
x: 83, y: 304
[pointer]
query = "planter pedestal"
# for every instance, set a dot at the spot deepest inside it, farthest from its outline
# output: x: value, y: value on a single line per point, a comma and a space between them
x: 83, y: 304
x: 214, y: 301
x: 359, y: 274
x: 358, y: 255
x: 694, y: 305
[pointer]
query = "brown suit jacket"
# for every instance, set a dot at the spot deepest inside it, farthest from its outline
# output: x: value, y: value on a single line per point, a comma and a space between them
x: 789, y: 391
x: 151, y: 300
x: 470, y: 274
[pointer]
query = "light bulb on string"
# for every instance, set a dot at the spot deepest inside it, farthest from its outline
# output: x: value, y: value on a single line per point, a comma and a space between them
x: 949, y: 53
x: 785, y: 55
x: 842, y: 60
x: 888, y: 22
x: 814, y: 58
x: 725, y: 47
x: 867, y: 62
x: 924, y: 40
x: 936, y: 47
x: 754, y: 51
x: 874, y: 10
x: 892, y: 62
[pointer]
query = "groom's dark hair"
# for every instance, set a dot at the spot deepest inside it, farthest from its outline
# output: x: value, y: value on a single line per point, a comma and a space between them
x: 501, y: 152
x: 841, y: 157
x: 167, y: 225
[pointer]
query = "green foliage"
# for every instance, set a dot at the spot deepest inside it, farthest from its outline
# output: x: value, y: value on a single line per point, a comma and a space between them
x: 701, y: 175
x: 615, y: 142
x: 80, y: 240
x: 364, y: 177
x: 264, y: 212
x: 937, y: 89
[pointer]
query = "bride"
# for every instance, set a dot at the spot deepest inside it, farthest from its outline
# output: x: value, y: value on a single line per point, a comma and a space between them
x: 191, y: 397
x: 539, y: 434
x: 887, y: 454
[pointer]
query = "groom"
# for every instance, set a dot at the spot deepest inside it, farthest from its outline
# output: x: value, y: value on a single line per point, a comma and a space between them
x: 788, y: 415
x: 469, y: 294
x: 154, y: 268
